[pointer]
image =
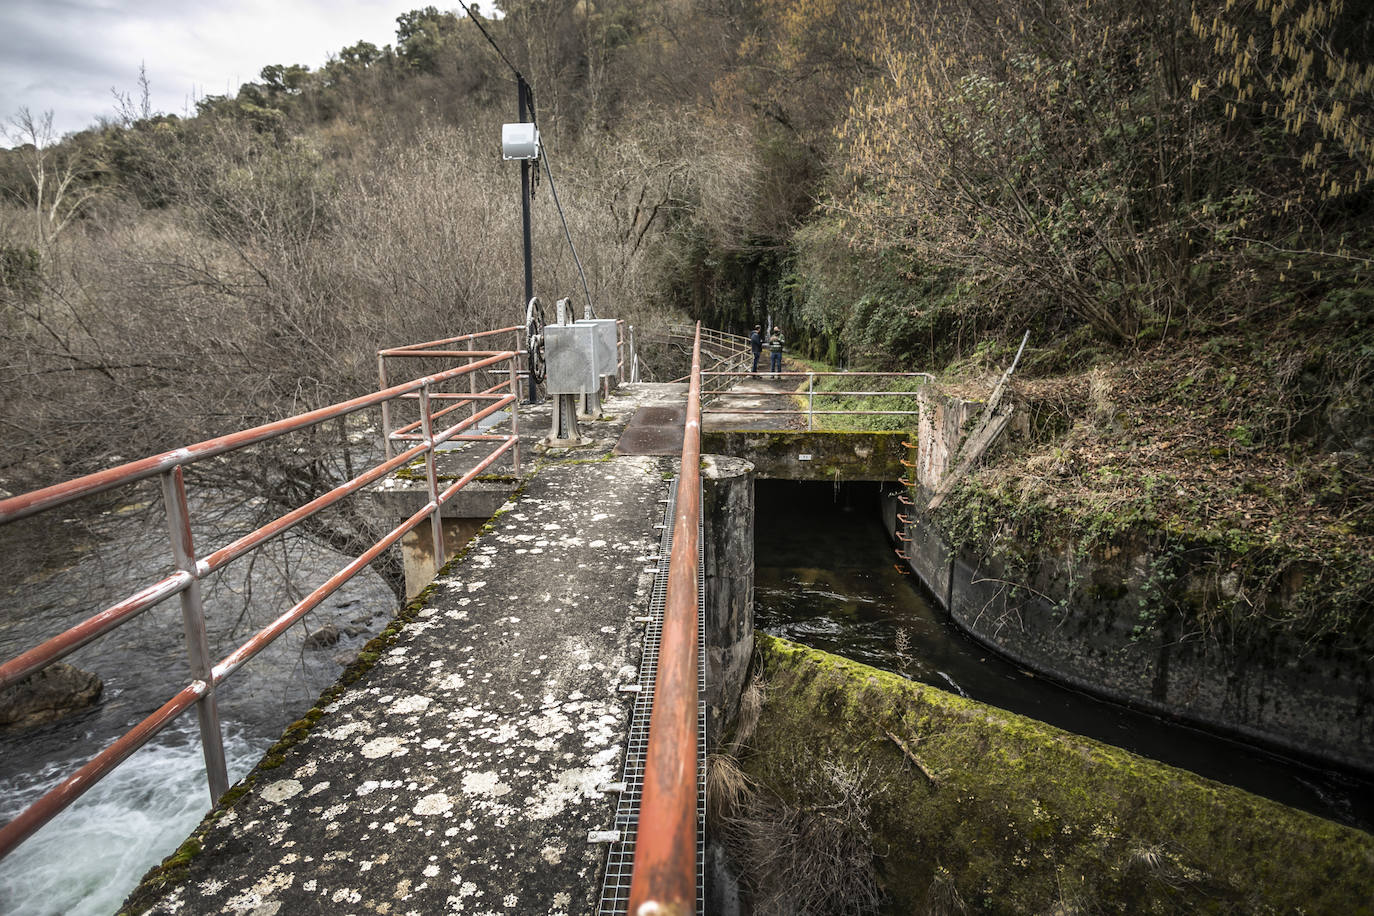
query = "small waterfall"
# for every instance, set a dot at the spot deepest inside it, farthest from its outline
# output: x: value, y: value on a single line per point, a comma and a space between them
x: 87, y: 859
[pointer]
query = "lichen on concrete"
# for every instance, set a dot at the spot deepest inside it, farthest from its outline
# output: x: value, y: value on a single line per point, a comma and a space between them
x: 461, y: 770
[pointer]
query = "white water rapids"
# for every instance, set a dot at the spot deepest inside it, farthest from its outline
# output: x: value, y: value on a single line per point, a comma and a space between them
x: 90, y: 857
x: 85, y: 861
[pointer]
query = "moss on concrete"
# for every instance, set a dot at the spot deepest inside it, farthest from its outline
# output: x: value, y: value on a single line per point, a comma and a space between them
x: 983, y: 810
x: 864, y: 455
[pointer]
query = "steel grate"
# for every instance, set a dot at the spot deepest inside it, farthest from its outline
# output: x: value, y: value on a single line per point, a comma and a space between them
x: 615, y: 889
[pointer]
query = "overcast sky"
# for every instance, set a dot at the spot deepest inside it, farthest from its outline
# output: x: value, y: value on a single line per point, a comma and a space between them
x: 66, y: 56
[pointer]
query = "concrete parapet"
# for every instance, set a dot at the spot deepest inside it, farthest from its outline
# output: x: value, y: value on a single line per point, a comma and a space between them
x: 942, y: 424
x: 728, y: 517
x: 941, y: 800
x: 788, y: 455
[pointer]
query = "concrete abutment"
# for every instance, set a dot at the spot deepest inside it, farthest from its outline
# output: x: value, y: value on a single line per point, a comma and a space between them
x: 728, y: 551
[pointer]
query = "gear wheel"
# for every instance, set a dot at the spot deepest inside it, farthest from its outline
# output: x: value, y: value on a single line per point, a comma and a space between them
x: 534, y: 337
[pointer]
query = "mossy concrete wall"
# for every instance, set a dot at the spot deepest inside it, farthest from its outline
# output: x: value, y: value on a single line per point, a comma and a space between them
x: 789, y: 455
x: 1121, y: 621
x: 1115, y: 623
x: 974, y: 809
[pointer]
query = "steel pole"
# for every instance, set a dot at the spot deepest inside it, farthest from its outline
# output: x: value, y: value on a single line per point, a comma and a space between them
x: 526, y: 105
x: 193, y: 620
x: 436, y: 524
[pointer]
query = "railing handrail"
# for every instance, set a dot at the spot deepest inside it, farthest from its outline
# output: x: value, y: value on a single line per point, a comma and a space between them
x: 410, y: 349
x: 803, y: 373
x: 664, y: 877
x: 31, y: 503
x: 191, y: 570
x: 811, y: 393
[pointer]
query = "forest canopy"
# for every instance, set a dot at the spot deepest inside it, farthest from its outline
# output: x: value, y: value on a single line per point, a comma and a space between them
x: 1179, y: 191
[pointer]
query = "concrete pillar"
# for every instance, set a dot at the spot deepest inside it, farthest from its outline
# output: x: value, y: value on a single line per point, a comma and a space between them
x: 728, y: 549
x: 417, y: 550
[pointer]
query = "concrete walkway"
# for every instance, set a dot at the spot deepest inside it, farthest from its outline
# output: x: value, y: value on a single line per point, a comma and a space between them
x: 763, y: 391
x: 461, y: 771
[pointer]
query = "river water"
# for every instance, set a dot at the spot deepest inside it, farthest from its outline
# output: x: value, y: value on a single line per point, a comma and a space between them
x: 88, y: 859
x: 826, y: 576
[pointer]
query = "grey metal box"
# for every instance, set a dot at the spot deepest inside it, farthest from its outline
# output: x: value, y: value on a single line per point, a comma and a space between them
x: 570, y: 355
x: 607, y: 350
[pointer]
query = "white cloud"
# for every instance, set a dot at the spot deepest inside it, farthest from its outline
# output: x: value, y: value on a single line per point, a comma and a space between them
x: 67, y: 55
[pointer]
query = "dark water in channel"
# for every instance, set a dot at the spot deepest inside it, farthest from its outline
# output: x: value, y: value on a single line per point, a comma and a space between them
x: 826, y: 576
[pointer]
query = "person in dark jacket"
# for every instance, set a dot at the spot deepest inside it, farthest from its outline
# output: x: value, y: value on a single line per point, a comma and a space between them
x: 756, y: 344
x: 775, y: 349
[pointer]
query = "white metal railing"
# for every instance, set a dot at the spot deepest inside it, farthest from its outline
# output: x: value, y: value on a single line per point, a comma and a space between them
x: 723, y: 391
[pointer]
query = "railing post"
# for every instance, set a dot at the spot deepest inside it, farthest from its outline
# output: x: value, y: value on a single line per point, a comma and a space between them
x: 810, y: 400
x: 193, y: 622
x: 515, y: 413
x: 383, y: 385
x: 472, y: 379
x: 634, y: 356
x: 436, y: 524
x: 619, y: 352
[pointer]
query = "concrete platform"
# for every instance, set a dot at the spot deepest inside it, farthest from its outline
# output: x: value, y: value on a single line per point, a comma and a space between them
x: 459, y: 771
x: 762, y: 391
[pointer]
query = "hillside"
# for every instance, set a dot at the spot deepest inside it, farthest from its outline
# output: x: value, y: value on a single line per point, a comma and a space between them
x: 1175, y: 199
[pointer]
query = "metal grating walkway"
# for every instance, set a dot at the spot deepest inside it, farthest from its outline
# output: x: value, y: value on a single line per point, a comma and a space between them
x: 615, y: 890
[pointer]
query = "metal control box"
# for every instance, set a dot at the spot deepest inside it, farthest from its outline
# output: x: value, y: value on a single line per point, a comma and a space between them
x: 607, y: 350
x: 570, y: 353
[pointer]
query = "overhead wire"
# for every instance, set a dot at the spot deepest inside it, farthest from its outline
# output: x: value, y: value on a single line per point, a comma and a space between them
x: 544, y: 157
x: 491, y: 41
x: 566, y: 234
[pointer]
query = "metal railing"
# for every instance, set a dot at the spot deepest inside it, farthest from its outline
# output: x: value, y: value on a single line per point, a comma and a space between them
x: 443, y: 349
x: 714, y: 344
x: 727, y: 352
x: 721, y: 393
x: 664, y: 879
x: 191, y: 570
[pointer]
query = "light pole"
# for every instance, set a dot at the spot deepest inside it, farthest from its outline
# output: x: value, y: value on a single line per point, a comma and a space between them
x: 521, y: 141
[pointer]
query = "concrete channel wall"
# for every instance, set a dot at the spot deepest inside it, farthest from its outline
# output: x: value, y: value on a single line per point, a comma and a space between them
x: 878, y: 786
x: 1111, y: 623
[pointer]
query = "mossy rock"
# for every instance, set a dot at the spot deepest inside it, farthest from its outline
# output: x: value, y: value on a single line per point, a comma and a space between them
x: 981, y: 810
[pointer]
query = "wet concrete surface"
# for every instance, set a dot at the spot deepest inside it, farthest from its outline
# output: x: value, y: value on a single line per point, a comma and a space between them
x: 462, y: 772
x: 654, y: 431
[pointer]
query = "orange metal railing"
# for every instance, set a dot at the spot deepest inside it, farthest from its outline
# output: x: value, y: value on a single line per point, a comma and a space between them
x: 191, y: 570
x: 664, y: 879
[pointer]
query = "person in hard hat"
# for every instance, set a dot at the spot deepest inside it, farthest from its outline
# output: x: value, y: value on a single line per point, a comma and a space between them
x: 775, y: 350
x: 756, y: 345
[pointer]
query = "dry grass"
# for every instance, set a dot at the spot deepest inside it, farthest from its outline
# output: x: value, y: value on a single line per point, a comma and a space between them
x: 810, y: 858
x: 750, y: 708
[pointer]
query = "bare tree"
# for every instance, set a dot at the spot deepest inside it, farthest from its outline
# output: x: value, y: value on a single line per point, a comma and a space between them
x: 57, y: 194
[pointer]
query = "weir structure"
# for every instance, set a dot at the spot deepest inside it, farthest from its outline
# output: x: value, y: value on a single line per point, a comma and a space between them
x: 478, y: 738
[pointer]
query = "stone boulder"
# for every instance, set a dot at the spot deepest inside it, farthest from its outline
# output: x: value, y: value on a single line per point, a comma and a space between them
x: 48, y: 695
x: 323, y: 638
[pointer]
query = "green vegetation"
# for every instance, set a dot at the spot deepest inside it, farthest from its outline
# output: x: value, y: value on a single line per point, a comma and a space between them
x: 962, y: 807
x: 821, y: 396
